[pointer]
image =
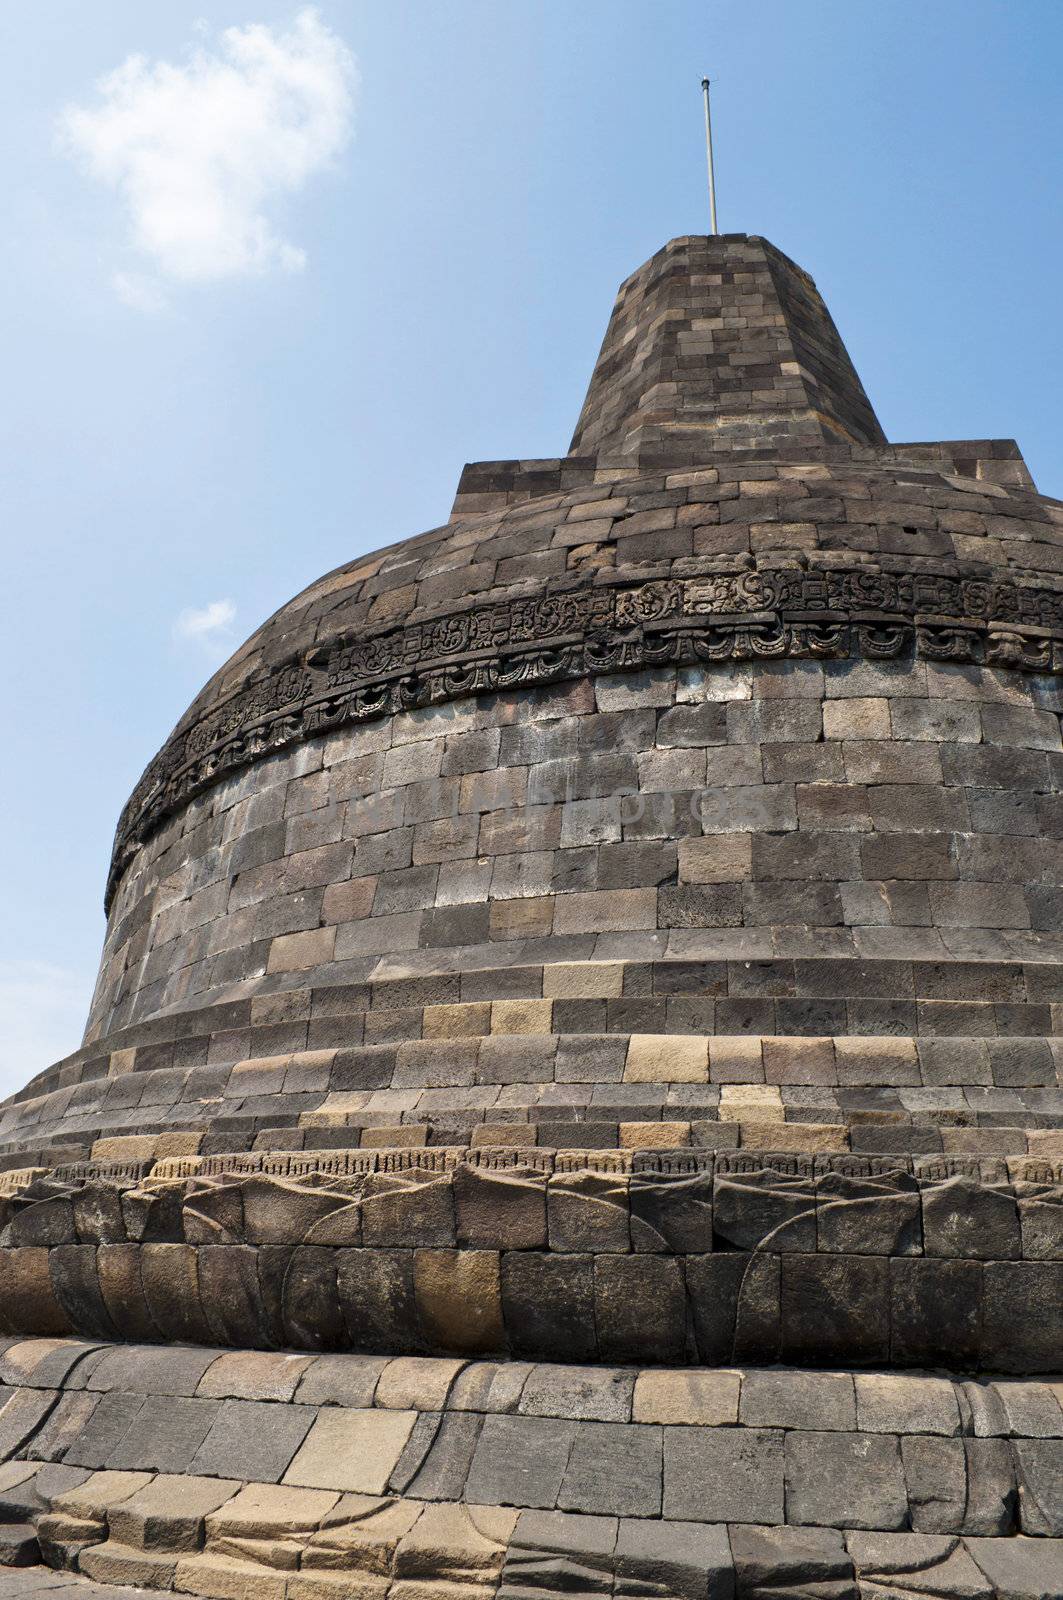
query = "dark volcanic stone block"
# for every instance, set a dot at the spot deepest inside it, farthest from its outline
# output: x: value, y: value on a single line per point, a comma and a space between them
x: 77, y: 1288
x: 735, y: 1306
x: 170, y: 1278
x: 118, y: 1275
x: 724, y: 1474
x: 671, y: 1213
x: 798, y: 1563
x: 548, y: 1305
x: 936, y: 1313
x: 836, y: 1310
x: 852, y: 1479
x: 639, y: 1308
x: 676, y: 1558
x: 964, y: 1218
x: 312, y: 1317
x: 249, y: 1439
x: 614, y: 1469
x: 520, y: 1461
x: 1022, y: 1313
x: 376, y: 1298
x: 231, y: 1295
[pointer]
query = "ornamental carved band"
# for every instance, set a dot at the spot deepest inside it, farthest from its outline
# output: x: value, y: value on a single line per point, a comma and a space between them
x: 753, y: 615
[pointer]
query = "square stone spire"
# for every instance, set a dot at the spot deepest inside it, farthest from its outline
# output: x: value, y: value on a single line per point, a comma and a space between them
x: 719, y: 343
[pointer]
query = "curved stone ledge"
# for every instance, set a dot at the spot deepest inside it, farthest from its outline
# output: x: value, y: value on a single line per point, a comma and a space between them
x: 215, y: 1451
x: 654, y: 1256
x: 751, y: 614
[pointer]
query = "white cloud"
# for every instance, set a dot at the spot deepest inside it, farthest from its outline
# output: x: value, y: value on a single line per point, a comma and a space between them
x: 210, y: 623
x: 198, y: 151
x: 42, y: 1015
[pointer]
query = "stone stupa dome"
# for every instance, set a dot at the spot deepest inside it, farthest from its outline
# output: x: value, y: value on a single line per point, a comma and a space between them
x: 622, y: 925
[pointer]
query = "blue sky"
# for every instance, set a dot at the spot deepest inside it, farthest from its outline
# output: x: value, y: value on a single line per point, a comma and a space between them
x: 219, y: 388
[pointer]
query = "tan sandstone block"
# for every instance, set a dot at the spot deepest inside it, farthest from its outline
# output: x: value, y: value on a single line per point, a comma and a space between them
x: 361, y: 1535
x: 707, y: 1398
x: 521, y: 1016
x: 758, y: 1134
x: 584, y: 980
x: 295, y: 952
x: 271, y: 1511
x: 100, y: 1491
x: 459, y: 1298
x: 117, y: 1563
x: 468, y: 1021
x: 504, y: 1135
x: 416, y: 1383
x: 400, y: 1136
x: 121, y: 1061
x: 177, y: 1144
x: 126, y: 1147
x: 225, y: 1578
x: 455, y: 1542
x: 716, y: 858
x: 348, y: 1449
x: 856, y: 719
x: 760, y: 1102
x: 666, y: 1058
x: 735, y: 1058
x: 654, y: 1135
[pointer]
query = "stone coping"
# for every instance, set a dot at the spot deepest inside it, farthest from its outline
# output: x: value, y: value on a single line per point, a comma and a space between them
x: 939, y: 993
x: 650, y: 1256
x: 919, y: 1451
x: 996, y: 1095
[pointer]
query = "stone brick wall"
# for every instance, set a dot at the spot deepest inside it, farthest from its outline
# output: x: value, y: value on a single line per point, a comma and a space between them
x: 718, y: 342
x: 904, y: 810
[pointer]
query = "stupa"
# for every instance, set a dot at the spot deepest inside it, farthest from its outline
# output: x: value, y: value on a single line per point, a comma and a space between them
x: 571, y: 1100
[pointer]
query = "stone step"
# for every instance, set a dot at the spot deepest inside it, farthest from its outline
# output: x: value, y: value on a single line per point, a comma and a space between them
x: 18, y: 1545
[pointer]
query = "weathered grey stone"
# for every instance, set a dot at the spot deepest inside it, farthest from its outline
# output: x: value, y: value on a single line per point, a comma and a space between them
x: 851, y: 1479
x: 520, y: 1461
x: 723, y: 1474
x: 686, y: 1559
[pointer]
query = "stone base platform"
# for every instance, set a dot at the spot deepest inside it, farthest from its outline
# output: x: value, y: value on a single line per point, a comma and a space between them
x: 293, y: 1477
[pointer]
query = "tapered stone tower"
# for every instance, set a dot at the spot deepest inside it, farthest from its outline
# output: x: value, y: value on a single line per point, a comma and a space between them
x: 571, y: 1097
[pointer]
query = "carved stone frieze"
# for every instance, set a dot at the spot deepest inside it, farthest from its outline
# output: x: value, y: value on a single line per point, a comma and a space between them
x: 761, y: 614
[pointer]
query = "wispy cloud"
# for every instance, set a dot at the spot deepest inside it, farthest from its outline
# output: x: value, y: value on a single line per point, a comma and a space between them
x: 197, y: 151
x: 42, y: 1014
x: 210, y: 625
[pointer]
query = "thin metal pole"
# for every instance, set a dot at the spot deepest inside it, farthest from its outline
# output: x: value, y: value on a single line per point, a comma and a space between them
x: 708, y: 152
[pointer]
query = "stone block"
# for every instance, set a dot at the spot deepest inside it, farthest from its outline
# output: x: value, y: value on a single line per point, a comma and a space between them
x: 798, y: 1400
x: 707, y: 1398
x: 168, y: 1513
x: 548, y: 1305
x: 836, y: 1308
x: 900, y: 1403
x: 458, y: 1298
x: 253, y: 1439
x: 351, y: 1450
x: 503, y: 1209
x: 666, y: 1058
x: 724, y: 1475
x: 800, y: 1563
x: 852, y: 1479
x: 520, y: 1461
x: 588, y: 1210
x: 613, y: 1469
x: 686, y: 1559
x: 582, y: 1393
x: 639, y: 1308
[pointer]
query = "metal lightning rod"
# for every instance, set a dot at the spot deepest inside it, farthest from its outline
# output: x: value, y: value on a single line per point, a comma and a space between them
x: 708, y: 152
